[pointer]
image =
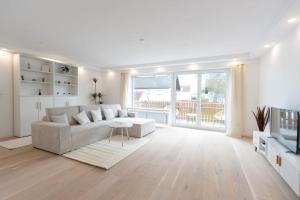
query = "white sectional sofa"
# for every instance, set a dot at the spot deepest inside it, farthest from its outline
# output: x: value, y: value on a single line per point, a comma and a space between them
x: 61, y: 138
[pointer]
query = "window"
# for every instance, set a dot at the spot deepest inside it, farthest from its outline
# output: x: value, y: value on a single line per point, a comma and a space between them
x: 153, y: 91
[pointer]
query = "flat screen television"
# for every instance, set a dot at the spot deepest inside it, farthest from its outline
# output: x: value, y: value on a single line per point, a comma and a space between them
x: 285, y: 128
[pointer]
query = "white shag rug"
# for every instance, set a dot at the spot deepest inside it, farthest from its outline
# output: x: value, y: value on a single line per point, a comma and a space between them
x: 104, y: 154
x: 16, y: 143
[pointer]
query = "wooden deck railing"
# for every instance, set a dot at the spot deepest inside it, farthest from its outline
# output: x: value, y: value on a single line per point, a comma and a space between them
x: 212, y: 113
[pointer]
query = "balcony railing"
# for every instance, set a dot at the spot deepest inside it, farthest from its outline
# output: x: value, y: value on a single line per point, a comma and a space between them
x: 211, y: 114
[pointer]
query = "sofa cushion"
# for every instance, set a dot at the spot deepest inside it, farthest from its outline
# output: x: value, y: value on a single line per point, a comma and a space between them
x: 86, y: 127
x: 61, y: 119
x: 109, y: 114
x: 133, y: 120
x: 96, y: 115
x: 88, y: 108
x: 141, y: 126
x: 114, y: 107
x: 89, y: 133
x: 82, y: 118
x: 69, y: 110
x: 123, y: 113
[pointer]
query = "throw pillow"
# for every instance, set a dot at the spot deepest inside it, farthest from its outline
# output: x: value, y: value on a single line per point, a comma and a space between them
x: 96, y: 115
x: 82, y: 118
x: 109, y: 114
x: 123, y: 113
x: 62, y: 119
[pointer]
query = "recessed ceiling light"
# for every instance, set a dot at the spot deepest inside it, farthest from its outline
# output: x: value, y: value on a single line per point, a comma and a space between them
x: 292, y: 20
x: 267, y: 46
x: 133, y: 71
x: 160, y: 69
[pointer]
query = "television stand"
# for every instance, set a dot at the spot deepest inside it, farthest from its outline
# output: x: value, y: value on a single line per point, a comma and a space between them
x: 286, y: 163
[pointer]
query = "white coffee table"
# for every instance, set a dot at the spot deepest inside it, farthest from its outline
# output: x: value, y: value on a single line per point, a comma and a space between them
x: 120, y: 125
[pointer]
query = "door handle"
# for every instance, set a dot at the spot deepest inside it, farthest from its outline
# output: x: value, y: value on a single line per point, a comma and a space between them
x: 279, y: 161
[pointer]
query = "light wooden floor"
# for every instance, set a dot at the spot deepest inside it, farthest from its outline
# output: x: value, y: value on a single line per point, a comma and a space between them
x: 178, y: 163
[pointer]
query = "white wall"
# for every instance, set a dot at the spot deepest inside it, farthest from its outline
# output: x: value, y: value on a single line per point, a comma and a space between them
x: 280, y: 74
x: 251, y: 91
x: 111, y: 87
x: 6, y: 95
x: 86, y: 85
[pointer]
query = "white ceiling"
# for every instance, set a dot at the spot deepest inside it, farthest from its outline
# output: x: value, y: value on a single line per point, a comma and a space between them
x: 106, y: 33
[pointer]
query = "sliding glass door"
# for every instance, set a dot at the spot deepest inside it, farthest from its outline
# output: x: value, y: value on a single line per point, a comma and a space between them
x: 187, y: 99
x: 213, y: 100
x: 201, y: 99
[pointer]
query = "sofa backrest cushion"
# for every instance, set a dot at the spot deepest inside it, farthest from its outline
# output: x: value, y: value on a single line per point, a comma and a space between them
x: 114, y: 107
x: 69, y: 110
x: 88, y: 109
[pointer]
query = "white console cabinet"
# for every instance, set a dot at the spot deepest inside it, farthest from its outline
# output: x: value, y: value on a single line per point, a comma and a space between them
x: 40, y: 84
x: 287, y: 164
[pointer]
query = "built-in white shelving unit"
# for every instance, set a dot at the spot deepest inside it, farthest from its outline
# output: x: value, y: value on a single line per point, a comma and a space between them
x: 40, y: 84
x: 65, y: 82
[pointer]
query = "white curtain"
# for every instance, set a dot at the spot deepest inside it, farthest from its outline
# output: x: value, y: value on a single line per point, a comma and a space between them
x: 235, y: 105
x: 125, y: 90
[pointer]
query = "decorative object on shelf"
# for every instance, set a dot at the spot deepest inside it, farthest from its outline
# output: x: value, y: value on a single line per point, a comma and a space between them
x: 262, y: 117
x: 65, y: 69
x: 22, y: 77
x: 58, y: 82
x: 43, y: 79
x: 33, y: 79
x: 40, y: 92
x: 69, y: 82
x: 57, y: 93
x: 28, y: 65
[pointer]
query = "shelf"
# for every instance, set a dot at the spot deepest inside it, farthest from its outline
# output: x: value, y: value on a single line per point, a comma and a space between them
x: 34, y: 71
x: 36, y: 95
x: 72, y: 85
x: 35, y: 82
x: 66, y: 75
x: 65, y: 95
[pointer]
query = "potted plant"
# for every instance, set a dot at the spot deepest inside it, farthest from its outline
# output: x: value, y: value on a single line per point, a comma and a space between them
x: 262, y: 117
x: 100, y: 95
x: 97, y: 97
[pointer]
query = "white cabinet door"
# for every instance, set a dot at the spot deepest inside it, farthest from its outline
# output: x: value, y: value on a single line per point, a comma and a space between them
x: 290, y: 174
x: 6, y: 115
x: 72, y: 101
x: 272, y: 156
x: 45, y: 102
x: 29, y: 114
x: 60, y: 101
x: 65, y: 101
